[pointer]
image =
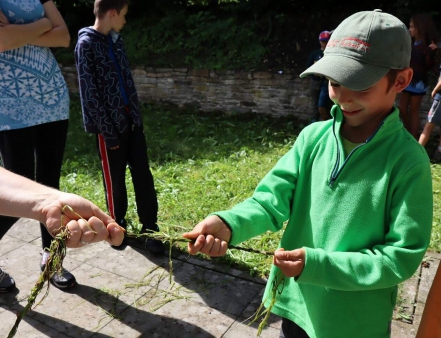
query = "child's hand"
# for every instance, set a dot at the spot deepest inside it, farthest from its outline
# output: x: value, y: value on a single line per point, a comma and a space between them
x: 290, y: 262
x: 211, y: 237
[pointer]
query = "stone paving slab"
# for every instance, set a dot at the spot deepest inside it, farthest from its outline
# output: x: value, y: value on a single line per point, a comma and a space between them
x: 182, y: 318
x: 128, y: 293
x: 28, y: 328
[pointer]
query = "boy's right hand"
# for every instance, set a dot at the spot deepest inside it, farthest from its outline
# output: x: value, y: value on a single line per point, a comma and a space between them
x: 211, y: 237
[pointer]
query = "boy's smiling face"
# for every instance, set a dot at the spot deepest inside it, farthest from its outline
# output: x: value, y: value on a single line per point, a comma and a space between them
x: 363, y: 111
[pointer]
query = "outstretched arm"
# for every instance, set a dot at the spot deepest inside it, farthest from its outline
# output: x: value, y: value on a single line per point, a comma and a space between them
x: 21, y: 197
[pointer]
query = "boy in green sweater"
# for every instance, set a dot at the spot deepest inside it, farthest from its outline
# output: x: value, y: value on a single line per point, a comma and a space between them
x: 356, y: 192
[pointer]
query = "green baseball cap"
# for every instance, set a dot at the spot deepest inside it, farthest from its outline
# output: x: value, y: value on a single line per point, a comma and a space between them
x: 363, y: 48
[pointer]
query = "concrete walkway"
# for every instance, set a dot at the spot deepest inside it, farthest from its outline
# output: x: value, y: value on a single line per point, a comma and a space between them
x: 129, y: 293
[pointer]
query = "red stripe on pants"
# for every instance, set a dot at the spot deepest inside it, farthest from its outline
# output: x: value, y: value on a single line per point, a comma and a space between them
x: 106, y: 175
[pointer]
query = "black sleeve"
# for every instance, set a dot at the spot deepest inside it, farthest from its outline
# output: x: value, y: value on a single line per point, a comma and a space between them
x: 43, y: 1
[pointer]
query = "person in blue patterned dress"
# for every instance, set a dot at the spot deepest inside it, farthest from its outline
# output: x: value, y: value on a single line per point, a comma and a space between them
x: 34, y: 104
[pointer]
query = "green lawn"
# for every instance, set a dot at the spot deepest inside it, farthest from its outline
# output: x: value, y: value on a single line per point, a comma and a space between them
x: 201, y: 163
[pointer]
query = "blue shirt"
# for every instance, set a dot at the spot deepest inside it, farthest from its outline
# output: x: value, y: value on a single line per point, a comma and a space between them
x: 32, y: 88
x: 118, y: 69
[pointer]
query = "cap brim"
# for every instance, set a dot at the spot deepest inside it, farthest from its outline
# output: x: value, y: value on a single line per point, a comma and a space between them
x: 347, y: 72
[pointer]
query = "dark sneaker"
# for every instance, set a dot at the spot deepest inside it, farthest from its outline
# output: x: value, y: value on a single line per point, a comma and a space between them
x: 63, y: 280
x: 154, y: 246
x: 7, y: 283
x: 122, y: 246
x: 436, y: 157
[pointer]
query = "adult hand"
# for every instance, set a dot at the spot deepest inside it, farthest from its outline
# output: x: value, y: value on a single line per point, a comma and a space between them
x: 211, y: 237
x: 290, y: 262
x: 87, y: 224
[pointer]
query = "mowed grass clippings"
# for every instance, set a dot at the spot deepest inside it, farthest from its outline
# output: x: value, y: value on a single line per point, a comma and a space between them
x: 201, y: 162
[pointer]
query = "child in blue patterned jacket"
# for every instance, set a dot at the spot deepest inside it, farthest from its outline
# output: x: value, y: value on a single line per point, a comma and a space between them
x: 111, y: 110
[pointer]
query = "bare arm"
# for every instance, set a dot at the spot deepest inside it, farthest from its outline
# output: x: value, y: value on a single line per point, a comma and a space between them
x: 437, y: 87
x: 21, y: 197
x: 15, y: 36
x: 58, y: 36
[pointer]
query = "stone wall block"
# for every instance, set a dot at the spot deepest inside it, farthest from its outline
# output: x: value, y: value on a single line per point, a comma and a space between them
x: 164, y: 74
x: 226, y: 77
x: 68, y: 69
x: 180, y: 70
x: 241, y: 110
x: 256, y: 92
x: 142, y: 79
x: 145, y: 85
x: 262, y: 75
x: 201, y: 88
x: 244, y: 75
x: 178, y: 74
x: 242, y: 97
x: 138, y: 72
x: 268, y: 82
x: 248, y: 103
x: 163, y: 70
x: 202, y: 80
x: 199, y: 72
x: 283, y: 76
x: 234, y: 82
x: 182, y: 82
x: 300, y: 100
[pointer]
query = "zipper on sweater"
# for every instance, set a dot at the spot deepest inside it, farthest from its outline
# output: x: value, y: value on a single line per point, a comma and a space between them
x: 336, y: 172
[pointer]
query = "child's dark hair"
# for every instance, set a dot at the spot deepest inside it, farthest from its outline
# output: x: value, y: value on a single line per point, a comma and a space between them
x: 425, y: 27
x: 101, y: 7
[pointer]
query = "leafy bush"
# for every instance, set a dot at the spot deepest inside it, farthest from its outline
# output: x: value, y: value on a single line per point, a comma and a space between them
x: 228, y: 34
x: 199, y: 40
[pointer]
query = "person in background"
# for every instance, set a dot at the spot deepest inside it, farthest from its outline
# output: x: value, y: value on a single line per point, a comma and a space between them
x: 111, y: 110
x: 350, y: 190
x: 430, y: 324
x: 21, y: 197
x: 34, y: 102
x: 433, y: 119
x: 424, y: 34
x: 318, y: 85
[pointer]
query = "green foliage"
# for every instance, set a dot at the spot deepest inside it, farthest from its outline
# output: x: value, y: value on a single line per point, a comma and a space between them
x: 229, y: 34
x: 199, y: 40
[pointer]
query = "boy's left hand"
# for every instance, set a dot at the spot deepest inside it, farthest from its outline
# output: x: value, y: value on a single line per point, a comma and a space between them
x: 290, y: 262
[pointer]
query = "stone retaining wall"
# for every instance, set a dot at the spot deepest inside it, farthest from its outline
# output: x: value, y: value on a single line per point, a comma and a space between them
x: 229, y: 91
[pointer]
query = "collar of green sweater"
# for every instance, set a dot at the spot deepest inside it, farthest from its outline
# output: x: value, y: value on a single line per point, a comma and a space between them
x: 387, y: 127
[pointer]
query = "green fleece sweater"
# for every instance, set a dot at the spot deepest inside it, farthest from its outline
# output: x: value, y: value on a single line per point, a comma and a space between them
x: 364, y: 221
